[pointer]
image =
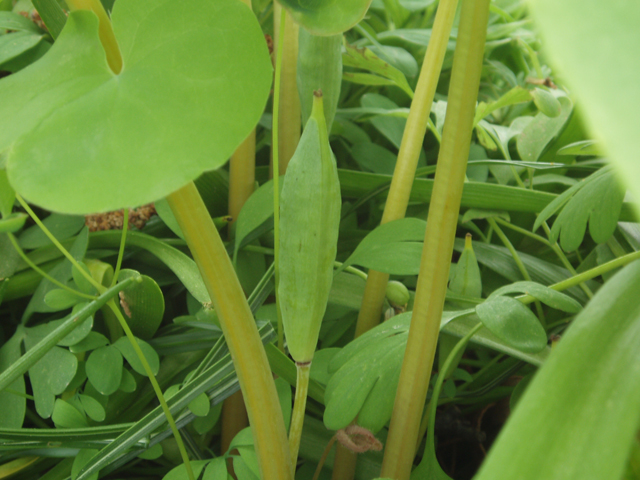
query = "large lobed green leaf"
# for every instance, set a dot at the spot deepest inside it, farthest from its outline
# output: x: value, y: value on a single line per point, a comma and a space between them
x: 82, y: 139
x: 580, y: 413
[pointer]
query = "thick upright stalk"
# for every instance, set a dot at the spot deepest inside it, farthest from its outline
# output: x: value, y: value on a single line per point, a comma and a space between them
x: 239, y: 328
x: 438, y: 245
x: 407, y: 162
x: 242, y: 178
x: 290, y: 122
x: 242, y: 175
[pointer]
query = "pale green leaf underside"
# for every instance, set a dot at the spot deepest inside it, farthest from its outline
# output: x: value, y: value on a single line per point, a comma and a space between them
x: 82, y: 139
x: 595, y: 55
x: 580, y: 412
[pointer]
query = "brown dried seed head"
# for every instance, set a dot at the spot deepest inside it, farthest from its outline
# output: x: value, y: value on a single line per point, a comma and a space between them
x: 358, y: 439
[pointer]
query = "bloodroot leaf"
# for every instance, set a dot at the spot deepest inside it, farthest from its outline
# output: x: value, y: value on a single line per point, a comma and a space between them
x: 191, y: 89
x: 513, y: 322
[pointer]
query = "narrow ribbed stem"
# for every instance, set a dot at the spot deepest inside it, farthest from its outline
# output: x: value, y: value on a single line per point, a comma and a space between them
x: 299, y: 405
x: 240, y: 331
x: 404, y: 173
x: 438, y: 246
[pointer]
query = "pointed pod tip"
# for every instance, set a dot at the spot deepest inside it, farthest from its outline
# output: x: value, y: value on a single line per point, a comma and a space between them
x: 467, y: 241
x: 317, y: 110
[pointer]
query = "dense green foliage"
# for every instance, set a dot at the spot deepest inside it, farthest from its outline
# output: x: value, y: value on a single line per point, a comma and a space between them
x: 549, y: 232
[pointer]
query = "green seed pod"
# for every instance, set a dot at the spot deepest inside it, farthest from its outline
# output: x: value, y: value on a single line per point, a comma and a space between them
x: 466, y: 279
x: 546, y: 102
x: 309, y: 222
x: 397, y: 294
x: 319, y: 68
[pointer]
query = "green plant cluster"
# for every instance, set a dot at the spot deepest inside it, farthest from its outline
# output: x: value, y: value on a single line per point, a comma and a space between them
x: 120, y: 341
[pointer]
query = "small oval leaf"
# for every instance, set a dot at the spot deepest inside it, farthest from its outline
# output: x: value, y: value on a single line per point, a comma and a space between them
x: 126, y: 349
x: 104, y: 369
x: 513, y: 322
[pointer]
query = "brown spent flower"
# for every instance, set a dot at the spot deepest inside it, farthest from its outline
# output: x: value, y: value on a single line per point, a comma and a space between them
x: 358, y: 439
x: 138, y: 217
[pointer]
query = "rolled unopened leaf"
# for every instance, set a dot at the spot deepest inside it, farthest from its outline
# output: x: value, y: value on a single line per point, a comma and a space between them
x: 309, y: 223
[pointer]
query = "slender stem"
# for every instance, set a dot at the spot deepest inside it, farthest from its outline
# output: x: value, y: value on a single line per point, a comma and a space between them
x: 413, y: 137
x: 344, y: 463
x: 516, y: 257
x: 156, y: 387
x: 565, y: 261
x: 580, y: 278
x: 44, y: 274
x: 239, y: 328
x: 123, y: 241
x: 523, y: 231
x: 55, y: 241
x: 438, y: 386
x: 107, y: 37
x: 288, y: 101
x: 336, y: 264
x: 438, y: 246
x: 299, y: 405
x: 276, y: 167
x: 533, y: 56
x: 323, y: 458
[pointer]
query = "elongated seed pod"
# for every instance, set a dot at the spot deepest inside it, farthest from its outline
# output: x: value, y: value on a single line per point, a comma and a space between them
x: 319, y: 68
x: 309, y: 223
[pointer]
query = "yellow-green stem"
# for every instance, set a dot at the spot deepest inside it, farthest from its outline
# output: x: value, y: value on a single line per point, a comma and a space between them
x: 123, y: 241
x: 565, y: 261
x: 54, y: 240
x: 299, y: 405
x: 44, y: 274
x: 156, y: 387
x: 516, y: 258
x: 105, y: 30
x: 276, y: 161
x: 438, y: 246
x: 289, y: 122
x: 344, y: 463
x: 410, y: 148
x: 242, y: 179
x: 242, y: 175
x: 239, y: 328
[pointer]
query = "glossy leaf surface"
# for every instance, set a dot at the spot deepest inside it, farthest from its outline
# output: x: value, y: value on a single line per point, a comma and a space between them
x: 96, y: 141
